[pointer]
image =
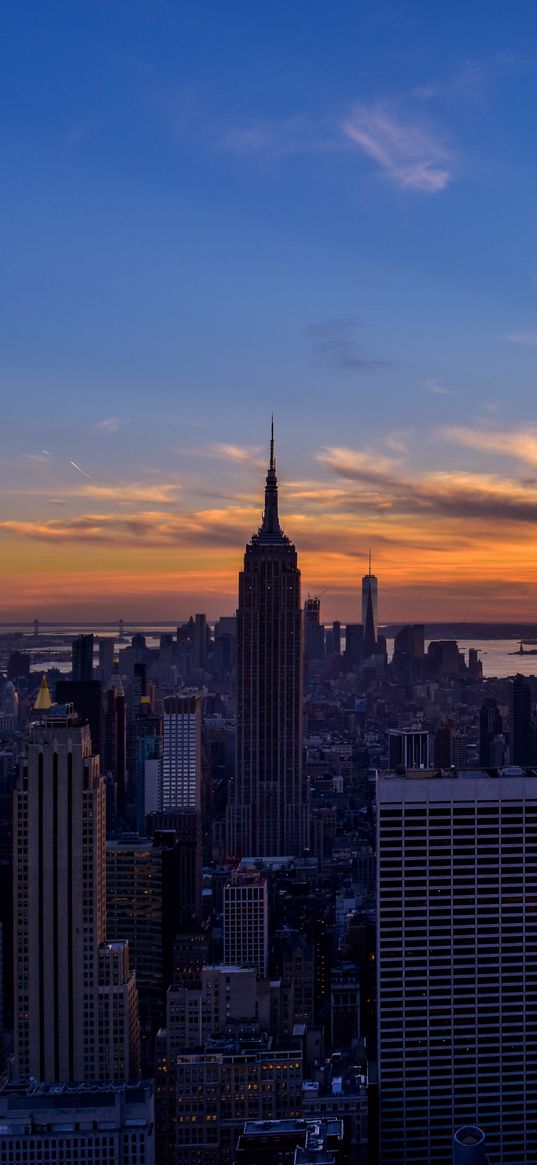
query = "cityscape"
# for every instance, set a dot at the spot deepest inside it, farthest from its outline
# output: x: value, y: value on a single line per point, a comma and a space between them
x: 269, y: 893
x: 268, y: 562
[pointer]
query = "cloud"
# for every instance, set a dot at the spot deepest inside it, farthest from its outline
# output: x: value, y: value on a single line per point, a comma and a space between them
x: 457, y: 494
x: 518, y: 443
x: 153, y: 493
x: 109, y: 425
x: 280, y: 139
x: 407, y: 153
x: 432, y: 385
x: 523, y: 339
x: 471, y: 81
x: 335, y: 345
x: 42, y: 458
x: 396, y: 442
x: 216, y: 527
x: 243, y: 454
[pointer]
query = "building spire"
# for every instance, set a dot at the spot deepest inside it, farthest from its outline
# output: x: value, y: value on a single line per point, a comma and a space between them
x: 270, y: 528
x: 370, y: 562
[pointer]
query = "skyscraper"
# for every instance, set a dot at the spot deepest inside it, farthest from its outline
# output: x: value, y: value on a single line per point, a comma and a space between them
x: 267, y: 813
x: 490, y: 725
x: 82, y: 668
x: 369, y: 611
x: 313, y: 630
x: 181, y: 755
x: 456, y: 965
x: 60, y: 911
x: 522, y: 736
x: 246, y: 921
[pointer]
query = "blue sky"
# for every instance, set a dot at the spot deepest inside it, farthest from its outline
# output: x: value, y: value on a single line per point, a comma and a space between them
x: 210, y: 211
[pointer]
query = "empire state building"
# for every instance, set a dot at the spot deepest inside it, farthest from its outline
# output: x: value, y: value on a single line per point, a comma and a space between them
x: 267, y: 812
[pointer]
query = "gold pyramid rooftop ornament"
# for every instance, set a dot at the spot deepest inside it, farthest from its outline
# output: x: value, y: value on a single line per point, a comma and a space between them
x: 43, y: 700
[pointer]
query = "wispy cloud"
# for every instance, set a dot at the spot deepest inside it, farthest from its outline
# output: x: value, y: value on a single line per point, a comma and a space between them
x: 457, y: 494
x: 518, y: 443
x: 279, y: 139
x: 524, y: 339
x: 432, y: 385
x: 410, y: 155
x: 149, y: 493
x: 396, y: 442
x: 109, y: 425
x: 335, y: 344
x: 471, y: 81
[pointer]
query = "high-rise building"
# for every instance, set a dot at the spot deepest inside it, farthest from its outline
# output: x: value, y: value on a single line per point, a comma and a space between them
x: 490, y: 725
x: 18, y: 665
x: 181, y: 754
x: 522, y: 734
x: 370, y: 611
x: 182, y: 826
x: 82, y: 667
x: 59, y: 810
x: 267, y: 811
x: 457, y: 965
x: 313, y: 630
x: 115, y: 745
x: 148, y: 762
x: 106, y: 659
x: 200, y: 642
x: 354, y: 642
x: 119, y: 1032
x: 246, y: 921
x: 333, y: 638
x: 60, y: 908
x: 87, y: 699
x: 409, y: 643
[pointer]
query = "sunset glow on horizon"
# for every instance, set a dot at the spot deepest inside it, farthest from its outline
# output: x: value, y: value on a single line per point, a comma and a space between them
x: 216, y: 212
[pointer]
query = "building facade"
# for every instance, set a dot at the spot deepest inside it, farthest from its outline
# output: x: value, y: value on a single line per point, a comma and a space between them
x: 78, y: 1126
x: 246, y: 921
x: 457, y: 965
x: 181, y: 756
x: 62, y: 989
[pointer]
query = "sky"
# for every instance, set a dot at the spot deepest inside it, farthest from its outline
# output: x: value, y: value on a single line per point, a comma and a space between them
x: 213, y: 211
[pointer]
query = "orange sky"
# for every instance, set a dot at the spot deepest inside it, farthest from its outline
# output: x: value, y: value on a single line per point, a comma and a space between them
x: 446, y: 544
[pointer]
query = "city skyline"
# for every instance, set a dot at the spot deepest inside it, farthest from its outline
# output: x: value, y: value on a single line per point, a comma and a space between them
x: 209, y: 217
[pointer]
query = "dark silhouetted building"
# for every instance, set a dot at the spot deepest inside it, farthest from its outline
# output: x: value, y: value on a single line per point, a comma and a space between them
x: 82, y: 667
x: 490, y: 725
x: 369, y: 611
x: 183, y: 826
x: 86, y: 696
x: 522, y: 734
x: 18, y: 665
x: 313, y: 630
x: 354, y: 642
x: 267, y: 810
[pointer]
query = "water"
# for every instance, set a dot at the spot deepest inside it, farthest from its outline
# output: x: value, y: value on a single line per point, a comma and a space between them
x: 495, y: 654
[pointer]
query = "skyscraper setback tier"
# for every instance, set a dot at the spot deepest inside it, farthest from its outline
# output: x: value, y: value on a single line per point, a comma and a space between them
x: 457, y: 965
x: 267, y: 810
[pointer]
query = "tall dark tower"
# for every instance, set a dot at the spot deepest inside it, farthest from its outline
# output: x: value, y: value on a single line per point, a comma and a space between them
x: 369, y: 611
x: 267, y: 812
